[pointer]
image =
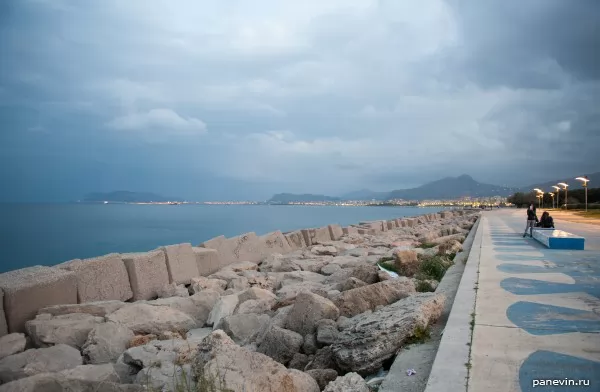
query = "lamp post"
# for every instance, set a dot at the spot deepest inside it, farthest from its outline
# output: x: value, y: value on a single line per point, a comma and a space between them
x: 557, y: 196
x: 585, y: 180
x: 552, y: 196
x: 539, y: 191
x: 565, y: 185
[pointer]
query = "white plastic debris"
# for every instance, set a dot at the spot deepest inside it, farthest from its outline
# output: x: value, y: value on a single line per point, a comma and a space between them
x: 390, y: 273
x: 411, y: 372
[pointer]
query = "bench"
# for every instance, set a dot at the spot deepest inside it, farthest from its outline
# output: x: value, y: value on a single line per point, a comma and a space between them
x: 558, y: 239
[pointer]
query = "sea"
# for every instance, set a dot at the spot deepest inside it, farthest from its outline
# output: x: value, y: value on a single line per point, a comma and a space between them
x: 49, y: 234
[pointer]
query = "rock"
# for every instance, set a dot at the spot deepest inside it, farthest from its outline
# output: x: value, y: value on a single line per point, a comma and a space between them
x: 313, y: 265
x: 201, y: 283
x: 197, y: 306
x: 71, y: 329
x: 143, y: 318
x: 330, y: 269
x: 327, y: 332
x: 309, y: 346
x: 244, y: 328
x: 256, y: 293
x: 262, y: 282
x: 280, y: 316
x: 343, y: 322
x: 308, y: 309
x: 406, y: 262
x: 254, y: 306
x: 351, y: 382
x: 377, y: 252
x: 302, y: 276
x: 352, y: 283
x: 55, y: 382
x: 225, y: 274
x: 383, y: 276
x: 105, y: 372
x: 292, y: 291
x: 224, y: 307
x: 246, y: 370
x: 166, y: 376
x: 449, y: 247
x: 141, y: 340
x: 332, y: 294
x: 36, y: 361
x: 106, y: 342
x: 324, y: 250
x: 238, y: 284
x: 373, y: 338
x: 172, y: 290
x: 359, y: 300
x: 298, y: 362
x: 99, y: 308
x: 198, y: 334
x: 323, y: 359
x: 366, y: 273
x: 356, y: 252
x: 243, y: 266
x: 323, y: 376
x: 281, y: 344
x: 149, y: 355
x: 11, y: 344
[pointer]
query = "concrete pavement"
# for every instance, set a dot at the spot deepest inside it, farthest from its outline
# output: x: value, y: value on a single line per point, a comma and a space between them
x: 537, y: 312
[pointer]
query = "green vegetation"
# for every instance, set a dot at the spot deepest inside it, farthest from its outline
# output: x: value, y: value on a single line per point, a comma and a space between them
x: 419, y: 335
x: 433, y: 267
x: 424, y: 286
x: 199, y: 382
x: 388, y: 264
x: 427, y: 245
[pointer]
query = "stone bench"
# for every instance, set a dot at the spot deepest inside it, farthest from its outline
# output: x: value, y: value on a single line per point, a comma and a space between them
x: 558, y: 239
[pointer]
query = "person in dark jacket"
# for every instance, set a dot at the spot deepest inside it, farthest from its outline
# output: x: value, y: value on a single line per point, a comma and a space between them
x: 546, y: 222
x: 531, y: 219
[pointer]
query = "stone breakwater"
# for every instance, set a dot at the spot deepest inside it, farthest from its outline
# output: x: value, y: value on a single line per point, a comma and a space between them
x: 308, y: 310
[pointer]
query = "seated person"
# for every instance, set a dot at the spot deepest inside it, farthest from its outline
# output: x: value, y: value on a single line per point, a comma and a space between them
x: 546, y: 222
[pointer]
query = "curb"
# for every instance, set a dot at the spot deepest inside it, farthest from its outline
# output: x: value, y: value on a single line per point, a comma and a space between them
x: 450, y: 370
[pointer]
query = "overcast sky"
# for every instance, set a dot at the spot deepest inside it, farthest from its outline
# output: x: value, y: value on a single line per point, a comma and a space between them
x: 232, y: 99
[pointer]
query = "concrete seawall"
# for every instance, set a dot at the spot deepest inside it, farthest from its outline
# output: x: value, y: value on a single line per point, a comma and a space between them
x: 139, y: 276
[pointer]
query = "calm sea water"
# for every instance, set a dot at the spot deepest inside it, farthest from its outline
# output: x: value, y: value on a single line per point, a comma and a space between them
x: 48, y: 234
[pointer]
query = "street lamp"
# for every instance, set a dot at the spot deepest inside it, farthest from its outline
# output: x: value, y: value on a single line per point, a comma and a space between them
x: 566, y: 194
x: 538, y: 190
x: 557, y: 196
x: 585, y: 180
x: 552, y: 196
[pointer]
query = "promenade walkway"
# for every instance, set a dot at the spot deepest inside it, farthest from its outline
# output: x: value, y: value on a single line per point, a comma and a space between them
x: 537, y: 313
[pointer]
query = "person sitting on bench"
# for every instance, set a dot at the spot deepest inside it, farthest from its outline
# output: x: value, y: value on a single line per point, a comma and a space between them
x: 546, y: 222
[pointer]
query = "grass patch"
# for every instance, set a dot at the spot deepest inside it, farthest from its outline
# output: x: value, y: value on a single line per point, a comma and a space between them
x: 424, y: 286
x: 427, y: 245
x: 433, y: 267
x: 420, y: 335
x: 451, y: 256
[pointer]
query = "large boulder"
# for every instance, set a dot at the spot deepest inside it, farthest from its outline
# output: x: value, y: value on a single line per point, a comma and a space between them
x: 246, y: 370
x: 106, y: 342
x: 99, y: 308
x: 306, y: 312
x: 143, y: 318
x: 197, y: 306
x: 224, y: 307
x: 323, y: 376
x: 361, y: 299
x: 373, y: 338
x: 71, y: 329
x: 36, y: 361
x: 56, y: 382
x: 13, y: 343
x: 172, y: 290
x: 281, y: 344
x: 201, y: 283
x: 245, y: 328
x: 406, y: 262
x: 351, y: 382
x: 292, y: 290
x: 366, y: 273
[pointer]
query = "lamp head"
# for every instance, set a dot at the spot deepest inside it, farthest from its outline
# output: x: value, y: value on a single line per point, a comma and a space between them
x: 563, y: 184
x: 584, y: 179
x: 556, y: 187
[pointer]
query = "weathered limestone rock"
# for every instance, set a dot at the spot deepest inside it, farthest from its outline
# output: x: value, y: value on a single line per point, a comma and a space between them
x: 106, y: 342
x: 359, y: 300
x: 29, y: 289
x: 323, y: 376
x: 292, y: 290
x: 246, y: 370
x: 306, y: 312
x: 245, y: 328
x: 323, y: 359
x: 101, y: 278
x: 201, y: 283
x: 197, y: 306
x: 143, y: 318
x: 104, y: 372
x: 181, y: 263
x: 352, y: 283
x: 349, y: 230
x: 225, y: 274
x: 309, y: 346
x: 295, y: 240
x: 281, y: 344
x: 375, y: 337
x: 13, y: 343
x: 335, y: 232
x: 238, y: 284
x: 351, y: 382
x: 327, y: 332
x: 56, y: 382
x: 165, y: 376
x: 366, y: 273
x: 71, y: 329
x: 407, y: 262
x: 324, y: 250
x: 173, y: 290
x: 35, y: 361
x: 330, y: 269
x: 147, y: 273
x: 298, y: 362
x: 224, y: 307
x: 98, y: 309
x: 207, y: 261
x: 449, y: 247
x: 316, y: 236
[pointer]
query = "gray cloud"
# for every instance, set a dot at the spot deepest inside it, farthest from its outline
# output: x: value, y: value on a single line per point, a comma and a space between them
x: 309, y: 97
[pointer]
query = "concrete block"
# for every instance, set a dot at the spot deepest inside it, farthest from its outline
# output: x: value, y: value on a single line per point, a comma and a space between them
x: 29, y: 289
x: 377, y: 226
x: 3, y: 326
x: 316, y: 236
x: 181, y: 263
x: 390, y: 225
x: 384, y: 226
x: 207, y: 261
x: 246, y: 247
x: 147, y: 273
x: 349, y: 230
x: 296, y: 240
x: 411, y: 222
x: 101, y: 278
x: 335, y: 232
x: 273, y: 242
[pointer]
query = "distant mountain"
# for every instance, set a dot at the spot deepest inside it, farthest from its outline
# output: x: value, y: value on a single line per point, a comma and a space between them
x: 365, y: 194
x: 451, y: 188
x: 573, y: 183
x: 127, y: 196
x: 290, y: 197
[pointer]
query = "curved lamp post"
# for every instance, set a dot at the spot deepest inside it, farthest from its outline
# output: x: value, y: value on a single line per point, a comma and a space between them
x: 557, y: 196
x: 552, y: 196
x: 585, y: 180
x: 539, y: 192
x: 565, y: 185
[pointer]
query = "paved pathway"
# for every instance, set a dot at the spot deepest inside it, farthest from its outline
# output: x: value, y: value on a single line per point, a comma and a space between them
x: 537, y: 311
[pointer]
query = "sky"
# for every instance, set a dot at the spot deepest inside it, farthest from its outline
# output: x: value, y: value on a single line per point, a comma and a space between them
x: 238, y: 100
